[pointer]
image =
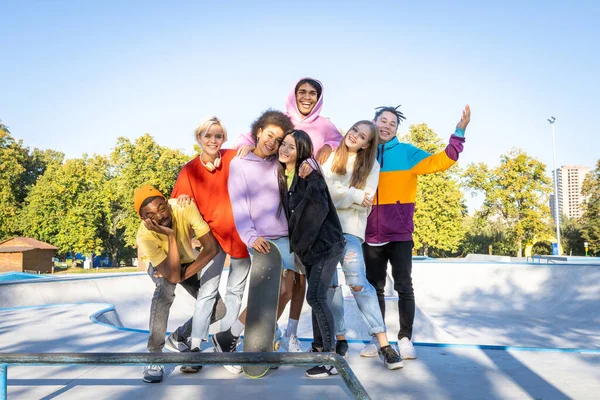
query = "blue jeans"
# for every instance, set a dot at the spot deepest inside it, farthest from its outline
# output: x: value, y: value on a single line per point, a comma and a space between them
x: 236, y: 283
x: 318, y: 278
x: 353, y: 266
x: 209, y: 278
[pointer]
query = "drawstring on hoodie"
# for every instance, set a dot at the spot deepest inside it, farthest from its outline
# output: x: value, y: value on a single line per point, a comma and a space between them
x: 380, y: 151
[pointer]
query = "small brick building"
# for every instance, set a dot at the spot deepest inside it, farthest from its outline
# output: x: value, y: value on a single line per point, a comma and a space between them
x: 21, y: 254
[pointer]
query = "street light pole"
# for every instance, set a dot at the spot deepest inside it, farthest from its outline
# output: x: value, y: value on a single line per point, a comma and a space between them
x: 556, y: 210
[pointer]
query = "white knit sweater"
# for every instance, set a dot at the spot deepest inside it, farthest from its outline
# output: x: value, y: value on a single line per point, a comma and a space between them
x: 348, y: 200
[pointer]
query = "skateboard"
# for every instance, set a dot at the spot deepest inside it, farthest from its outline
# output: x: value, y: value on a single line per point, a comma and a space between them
x: 263, y: 301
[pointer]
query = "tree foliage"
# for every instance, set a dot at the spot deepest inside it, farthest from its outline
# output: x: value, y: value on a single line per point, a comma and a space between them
x: 134, y: 164
x: 590, y: 220
x: 516, y: 195
x: 67, y: 206
x: 19, y: 170
x: 439, y: 205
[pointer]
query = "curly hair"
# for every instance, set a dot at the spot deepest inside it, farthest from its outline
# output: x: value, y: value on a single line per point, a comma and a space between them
x: 271, y: 117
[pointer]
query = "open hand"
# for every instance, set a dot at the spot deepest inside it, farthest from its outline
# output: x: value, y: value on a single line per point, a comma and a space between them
x: 466, y: 118
x: 184, y: 200
x: 367, y: 201
x: 323, y: 153
x: 153, y: 226
x: 261, y: 245
x: 244, y: 150
x: 305, y: 170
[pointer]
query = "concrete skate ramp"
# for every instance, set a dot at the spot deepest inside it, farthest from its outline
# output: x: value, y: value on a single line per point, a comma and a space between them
x: 474, y: 303
x: 554, y: 305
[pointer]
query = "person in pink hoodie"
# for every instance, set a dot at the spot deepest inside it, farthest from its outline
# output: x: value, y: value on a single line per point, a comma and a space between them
x: 303, y: 106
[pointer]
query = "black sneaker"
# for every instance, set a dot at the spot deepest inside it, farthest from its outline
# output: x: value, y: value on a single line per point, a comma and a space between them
x: 314, y: 348
x: 341, y: 348
x: 390, y: 357
x: 321, y: 371
x: 225, y: 342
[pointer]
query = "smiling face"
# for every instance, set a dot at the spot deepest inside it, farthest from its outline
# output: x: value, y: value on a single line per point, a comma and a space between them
x: 287, y: 152
x: 306, y: 98
x: 158, y: 210
x: 357, y: 138
x: 387, y: 123
x: 268, y: 141
x: 212, y: 141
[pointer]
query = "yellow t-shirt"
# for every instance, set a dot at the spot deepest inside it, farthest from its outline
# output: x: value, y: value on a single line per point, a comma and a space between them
x: 154, y: 246
x: 290, y: 177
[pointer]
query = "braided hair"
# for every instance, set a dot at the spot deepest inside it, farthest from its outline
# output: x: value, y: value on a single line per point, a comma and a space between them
x: 393, y: 110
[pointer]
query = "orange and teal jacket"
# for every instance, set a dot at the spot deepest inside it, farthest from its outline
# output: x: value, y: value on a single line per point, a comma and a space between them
x: 391, y: 219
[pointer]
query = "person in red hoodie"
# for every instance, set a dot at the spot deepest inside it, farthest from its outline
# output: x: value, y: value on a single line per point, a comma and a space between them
x: 205, y: 179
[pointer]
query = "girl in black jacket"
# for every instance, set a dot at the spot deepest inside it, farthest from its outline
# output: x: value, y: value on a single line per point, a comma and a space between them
x: 315, y: 236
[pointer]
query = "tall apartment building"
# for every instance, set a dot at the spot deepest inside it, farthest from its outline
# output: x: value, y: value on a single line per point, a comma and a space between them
x: 570, y: 181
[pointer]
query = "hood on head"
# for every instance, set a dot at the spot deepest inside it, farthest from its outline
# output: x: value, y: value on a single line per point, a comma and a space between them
x: 292, y: 107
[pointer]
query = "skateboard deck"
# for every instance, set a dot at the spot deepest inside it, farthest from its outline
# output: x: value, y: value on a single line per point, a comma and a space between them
x: 263, y: 301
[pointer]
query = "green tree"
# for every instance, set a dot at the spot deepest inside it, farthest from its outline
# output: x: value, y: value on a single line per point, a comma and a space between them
x: 19, y: 170
x: 134, y: 164
x: 571, y: 236
x: 67, y: 206
x: 12, y: 157
x: 439, y: 207
x: 481, y: 234
x: 590, y: 220
x: 516, y: 195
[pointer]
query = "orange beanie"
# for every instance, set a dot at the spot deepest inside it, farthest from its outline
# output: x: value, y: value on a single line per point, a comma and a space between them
x: 141, y: 194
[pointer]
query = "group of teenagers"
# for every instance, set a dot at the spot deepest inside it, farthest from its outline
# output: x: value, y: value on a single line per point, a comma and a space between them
x: 322, y: 198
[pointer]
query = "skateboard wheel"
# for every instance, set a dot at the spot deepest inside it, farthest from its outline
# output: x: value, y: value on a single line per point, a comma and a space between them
x: 276, y: 346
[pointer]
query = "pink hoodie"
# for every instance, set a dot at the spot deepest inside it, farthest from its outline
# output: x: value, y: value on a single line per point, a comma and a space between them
x: 320, y: 129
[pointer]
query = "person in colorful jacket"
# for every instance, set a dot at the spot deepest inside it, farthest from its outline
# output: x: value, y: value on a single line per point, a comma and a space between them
x: 390, y: 225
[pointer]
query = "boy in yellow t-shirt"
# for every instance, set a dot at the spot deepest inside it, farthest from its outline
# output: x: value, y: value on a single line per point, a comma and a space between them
x: 164, y: 241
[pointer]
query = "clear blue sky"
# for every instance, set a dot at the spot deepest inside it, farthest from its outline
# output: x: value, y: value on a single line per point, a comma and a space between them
x: 75, y: 75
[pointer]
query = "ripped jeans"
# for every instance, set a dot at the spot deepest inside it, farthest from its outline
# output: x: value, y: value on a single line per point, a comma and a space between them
x: 353, y: 266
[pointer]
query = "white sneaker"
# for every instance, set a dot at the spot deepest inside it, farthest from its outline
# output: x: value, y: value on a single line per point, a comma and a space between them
x: 407, y: 350
x: 370, y: 350
x: 154, y: 373
x: 291, y: 344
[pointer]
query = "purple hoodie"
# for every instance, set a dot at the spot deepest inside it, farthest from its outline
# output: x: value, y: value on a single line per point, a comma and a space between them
x: 321, y: 130
x: 255, y: 199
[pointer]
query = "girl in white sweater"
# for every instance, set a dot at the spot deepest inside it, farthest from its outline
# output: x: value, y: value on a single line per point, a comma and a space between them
x: 352, y: 174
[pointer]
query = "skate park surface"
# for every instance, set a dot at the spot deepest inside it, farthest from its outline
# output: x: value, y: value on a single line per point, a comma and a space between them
x: 493, y: 330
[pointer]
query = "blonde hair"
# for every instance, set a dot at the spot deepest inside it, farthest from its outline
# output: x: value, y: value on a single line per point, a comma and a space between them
x: 365, y: 158
x: 205, y: 126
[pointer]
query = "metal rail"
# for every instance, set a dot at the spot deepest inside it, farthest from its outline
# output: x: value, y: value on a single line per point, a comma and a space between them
x: 199, y: 358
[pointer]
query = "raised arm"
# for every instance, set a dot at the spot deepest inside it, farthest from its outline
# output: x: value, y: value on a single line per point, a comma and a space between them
x: 425, y: 163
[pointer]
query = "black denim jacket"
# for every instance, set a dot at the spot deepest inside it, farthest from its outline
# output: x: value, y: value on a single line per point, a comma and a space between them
x: 314, y: 227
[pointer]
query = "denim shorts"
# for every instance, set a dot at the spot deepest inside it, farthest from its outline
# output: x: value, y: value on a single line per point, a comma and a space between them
x: 283, y: 244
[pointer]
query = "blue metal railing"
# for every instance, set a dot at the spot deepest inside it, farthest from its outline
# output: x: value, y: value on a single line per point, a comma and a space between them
x: 272, y: 359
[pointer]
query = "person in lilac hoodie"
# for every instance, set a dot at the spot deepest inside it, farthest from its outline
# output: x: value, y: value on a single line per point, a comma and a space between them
x: 257, y: 212
x: 303, y: 106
